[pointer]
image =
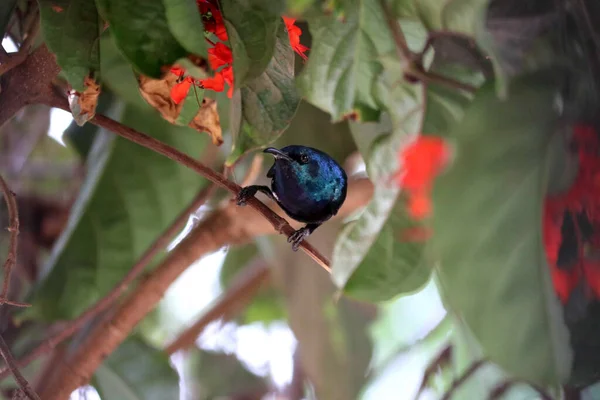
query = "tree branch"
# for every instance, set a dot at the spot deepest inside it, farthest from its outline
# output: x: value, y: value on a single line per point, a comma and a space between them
x: 104, y: 304
x: 12, y: 365
x: 27, y: 84
x: 279, y: 223
x: 11, y: 258
x: 229, y: 225
x: 245, y: 286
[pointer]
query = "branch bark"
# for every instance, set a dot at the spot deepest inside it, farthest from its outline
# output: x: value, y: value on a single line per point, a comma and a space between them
x: 246, y: 285
x: 230, y: 225
x: 30, y: 83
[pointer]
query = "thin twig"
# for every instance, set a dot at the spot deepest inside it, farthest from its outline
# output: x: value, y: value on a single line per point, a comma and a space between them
x: 463, y: 378
x: 12, y: 365
x: 236, y: 298
x: 411, y: 63
x: 279, y: 223
x: 159, y: 244
x: 11, y: 258
x: 502, y: 388
x: 16, y: 59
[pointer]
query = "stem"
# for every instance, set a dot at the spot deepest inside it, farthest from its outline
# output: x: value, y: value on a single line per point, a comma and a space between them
x: 280, y: 224
x: 12, y: 365
x: 11, y: 258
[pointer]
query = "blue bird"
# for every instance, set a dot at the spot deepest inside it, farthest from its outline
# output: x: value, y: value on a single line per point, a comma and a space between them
x: 306, y: 183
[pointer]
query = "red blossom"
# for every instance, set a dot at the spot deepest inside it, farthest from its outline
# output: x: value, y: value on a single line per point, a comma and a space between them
x: 216, y: 83
x: 420, y: 162
x: 294, y: 34
x: 212, y: 18
x: 219, y: 55
x: 580, y: 202
x: 181, y: 89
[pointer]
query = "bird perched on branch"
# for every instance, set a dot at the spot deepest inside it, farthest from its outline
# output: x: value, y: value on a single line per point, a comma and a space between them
x: 308, y: 185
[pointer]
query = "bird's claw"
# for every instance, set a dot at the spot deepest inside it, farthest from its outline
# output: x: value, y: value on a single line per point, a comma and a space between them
x: 297, y: 237
x: 244, y: 195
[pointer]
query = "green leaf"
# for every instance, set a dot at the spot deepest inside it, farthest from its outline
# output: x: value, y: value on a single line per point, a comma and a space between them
x: 264, y: 108
x: 487, y: 222
x: 141, y: 31
x: 129, y: 197
x: 136, y: 371
x: 185, y: 22
x: 371, y: 260
x: 345, y: 65
x: 252, y: 27
x: 71, y: 29
x: 191, y: 105
x: 210, y: 375
x: 118, y: 75
x: 6, y: 10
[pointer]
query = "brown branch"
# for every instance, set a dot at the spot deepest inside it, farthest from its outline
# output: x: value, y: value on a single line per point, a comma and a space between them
x: 463, y: 378
x: 11, y: 258
x: 27, y: 84
x: 159, y: 244
x: 12, y: 365
x: 245, y: 286
x: 279, y: 223
x: 230, y: 225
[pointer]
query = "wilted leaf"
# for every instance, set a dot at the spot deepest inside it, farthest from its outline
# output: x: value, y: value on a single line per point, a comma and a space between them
x: 129, y: 197
x: 252, y: 27
x: 211, y: 375
x: 487, y: 231
x: 264, y: 108
x: 136, y: 371
x: 141, y: 31
x: 185, y: 22
x: 71, y: 29
x: 83, y: 105
x: 195, y: 111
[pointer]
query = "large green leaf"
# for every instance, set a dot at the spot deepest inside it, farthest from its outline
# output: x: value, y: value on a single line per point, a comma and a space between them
x: 136, y: 371
x: 210, y: 375
x: 141, y: 31
x: 186, y: 24
x: 129, y: 197
x: 264, y: 108
x: 487, y: 231
x: 6, y: 10
x: 373, y: 244
x: 252, y: 27
x: 71, y: 30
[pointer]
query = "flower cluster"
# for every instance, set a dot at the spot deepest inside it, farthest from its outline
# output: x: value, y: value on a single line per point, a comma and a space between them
x: 571, y: 223
x: 421, y: 161
x: 220, y: 57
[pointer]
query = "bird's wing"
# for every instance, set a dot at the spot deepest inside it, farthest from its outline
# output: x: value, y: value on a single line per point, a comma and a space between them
x: 271, y: 172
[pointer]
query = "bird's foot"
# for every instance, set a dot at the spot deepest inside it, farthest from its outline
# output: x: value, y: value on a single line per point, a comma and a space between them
x: 244, y: 194
x: 298, y: 236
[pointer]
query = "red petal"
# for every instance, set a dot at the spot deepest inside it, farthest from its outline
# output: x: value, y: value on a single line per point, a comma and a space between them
x: 421, y: 161
x: 180, y: 90
x: 219, y: 55
x: 419, y: 205
x: 217, y: 83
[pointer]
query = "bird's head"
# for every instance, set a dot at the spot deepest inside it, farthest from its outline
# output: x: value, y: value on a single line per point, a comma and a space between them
x: 302, y: 160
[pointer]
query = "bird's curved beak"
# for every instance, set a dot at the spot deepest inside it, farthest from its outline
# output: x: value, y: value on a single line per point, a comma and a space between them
x: 277, y: 154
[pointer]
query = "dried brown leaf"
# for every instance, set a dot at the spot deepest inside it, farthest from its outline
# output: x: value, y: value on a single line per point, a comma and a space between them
x: 83, y: 105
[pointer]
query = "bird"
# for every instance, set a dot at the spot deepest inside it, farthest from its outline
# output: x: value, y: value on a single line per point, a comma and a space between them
x: 306, y: 183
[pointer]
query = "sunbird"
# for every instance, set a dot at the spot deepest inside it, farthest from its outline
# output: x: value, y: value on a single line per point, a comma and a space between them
x: 308, y: 185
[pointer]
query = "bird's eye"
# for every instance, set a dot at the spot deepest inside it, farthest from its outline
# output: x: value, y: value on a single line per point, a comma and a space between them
x: 304, y: 159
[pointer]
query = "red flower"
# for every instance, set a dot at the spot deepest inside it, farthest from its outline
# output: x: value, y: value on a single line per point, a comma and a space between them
x: 421, y: 161
x: 294, y: 34
x: 219, y: 55
x: 212, y: 18
x: 181, y: 89
x: 217, y: 83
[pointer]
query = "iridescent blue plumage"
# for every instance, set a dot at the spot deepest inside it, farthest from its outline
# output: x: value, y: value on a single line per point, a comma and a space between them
x: 307, y: 184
